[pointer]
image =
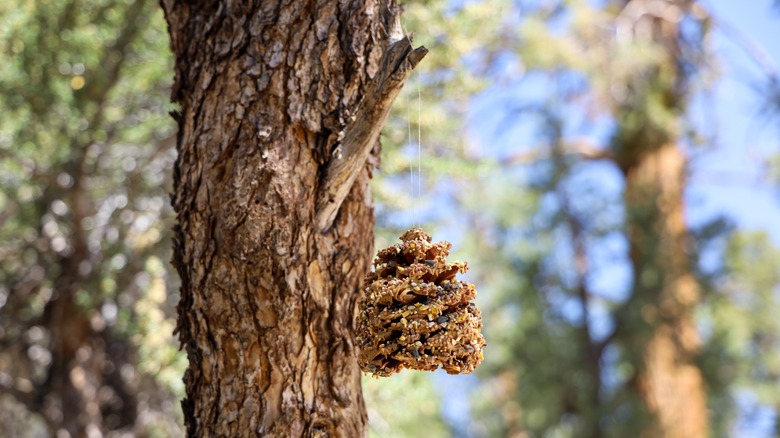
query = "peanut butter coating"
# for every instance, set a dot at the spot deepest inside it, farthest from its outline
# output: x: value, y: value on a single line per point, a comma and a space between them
x: 415, y: 314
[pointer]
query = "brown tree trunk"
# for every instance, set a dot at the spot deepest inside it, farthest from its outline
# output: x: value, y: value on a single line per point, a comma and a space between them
x: 281, y: 104
x: 668, y: 381
x: 660, y: 336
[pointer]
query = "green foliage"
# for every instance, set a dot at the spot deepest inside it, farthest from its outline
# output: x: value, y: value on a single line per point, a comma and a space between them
x: 85, y: 148
x: 404, y: 406
x: 740, y: 317
x: 435, y: 100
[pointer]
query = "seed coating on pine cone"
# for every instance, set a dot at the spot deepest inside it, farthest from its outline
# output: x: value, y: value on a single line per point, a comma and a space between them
x: 414, y: 313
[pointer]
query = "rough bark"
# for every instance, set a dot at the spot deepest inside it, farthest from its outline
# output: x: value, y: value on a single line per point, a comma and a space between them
x: 268, y: 93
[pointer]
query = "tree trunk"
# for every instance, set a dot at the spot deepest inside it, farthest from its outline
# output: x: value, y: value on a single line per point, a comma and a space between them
x: 669, y: 383
x: 660, y: 336
x: 281, y: 105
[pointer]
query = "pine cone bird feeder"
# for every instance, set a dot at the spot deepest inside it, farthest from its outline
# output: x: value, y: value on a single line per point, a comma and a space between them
x: 415, y: 314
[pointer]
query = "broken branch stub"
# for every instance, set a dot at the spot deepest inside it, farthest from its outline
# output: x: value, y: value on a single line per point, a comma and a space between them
x: 362, y: 133
x: 414, y: 313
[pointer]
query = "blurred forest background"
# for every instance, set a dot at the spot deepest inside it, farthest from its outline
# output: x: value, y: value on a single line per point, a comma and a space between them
x: 566, y: 149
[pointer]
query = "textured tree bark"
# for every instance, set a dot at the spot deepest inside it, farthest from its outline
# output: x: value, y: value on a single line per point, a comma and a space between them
x: 669, y: 383
x: 268, y: 92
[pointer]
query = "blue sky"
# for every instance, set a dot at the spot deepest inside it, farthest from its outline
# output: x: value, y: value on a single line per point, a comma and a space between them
x: 728, y: 178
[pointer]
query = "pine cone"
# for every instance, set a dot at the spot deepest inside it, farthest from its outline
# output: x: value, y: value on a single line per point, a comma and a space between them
x: 415, y: 314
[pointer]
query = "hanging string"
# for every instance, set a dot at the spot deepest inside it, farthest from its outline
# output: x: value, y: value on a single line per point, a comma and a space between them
x: 419, y: 139
x: 411, y: 165
x: 418, y: 194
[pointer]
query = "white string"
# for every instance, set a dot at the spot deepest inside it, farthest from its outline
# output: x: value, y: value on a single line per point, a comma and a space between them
x: 415, y: 196
x: 411, y: 165
x: 419, y: 139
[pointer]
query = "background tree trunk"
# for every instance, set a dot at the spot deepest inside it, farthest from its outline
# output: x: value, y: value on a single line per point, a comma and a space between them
x: 267, y: 92
x: 664, y: 341
x: 669, y: 383
x: 66, y: 359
